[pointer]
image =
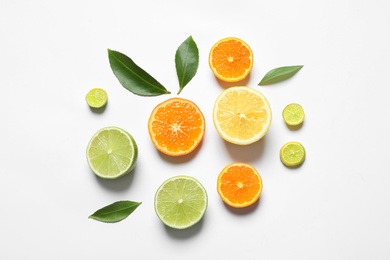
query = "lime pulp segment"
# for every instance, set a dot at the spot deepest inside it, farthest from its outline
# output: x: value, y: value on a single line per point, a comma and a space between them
x: 293, y: 114
x: 292, y: 154
x: 112, y: 152
x: 180, y: 202
x: 96, y: 98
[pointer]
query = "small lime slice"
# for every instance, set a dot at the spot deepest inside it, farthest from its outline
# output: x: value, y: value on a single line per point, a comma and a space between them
x: 96, y: 98
x: 180, y: 202
x: 292, y: 154
x: 112, y: 152
x: 293, y: 114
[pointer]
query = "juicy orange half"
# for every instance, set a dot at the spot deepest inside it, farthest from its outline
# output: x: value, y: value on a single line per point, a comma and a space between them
x: 231, y: 59
x: 239, y: 185
x: 176, y: 126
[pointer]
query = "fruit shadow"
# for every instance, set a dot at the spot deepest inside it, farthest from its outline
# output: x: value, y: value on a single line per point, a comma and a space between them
x: 98, y: 110
x: 122, y: 183
x: 180, y: 234
x: 246, y: 153
x: 181, y: 159
x: 223, y: 84
x: 295, y: 127
x: 243, y: 211
x: 295, y: 168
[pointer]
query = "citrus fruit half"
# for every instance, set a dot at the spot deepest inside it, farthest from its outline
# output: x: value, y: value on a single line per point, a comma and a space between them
x: 239, y: 185
x: 180, y: 202
x: 231, y: 59
x: 242, y: 115
x: 292, y: 154
x: 293, y: 114
x: 96, y: 98
x: 112, y: 152
x: 176, y: 126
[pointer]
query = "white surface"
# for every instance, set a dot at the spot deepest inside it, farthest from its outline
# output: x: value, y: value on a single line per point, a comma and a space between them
x: 336, y: 206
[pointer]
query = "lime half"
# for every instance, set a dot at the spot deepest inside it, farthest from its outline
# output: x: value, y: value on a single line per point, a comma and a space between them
x: 112, y: 152
x: 292, y: 154
x: 96, y: 98
x: 293, y: 114
x: 180, y: 202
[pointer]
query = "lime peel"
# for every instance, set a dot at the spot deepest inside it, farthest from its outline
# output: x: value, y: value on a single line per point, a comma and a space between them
x: 292, y: 154
x: 96, y: 98
x: 293, y: 114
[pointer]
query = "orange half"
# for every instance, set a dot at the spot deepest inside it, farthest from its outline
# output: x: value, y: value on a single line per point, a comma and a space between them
x: 239, y: 185
x: 176, y: 126
x: 231, y: 59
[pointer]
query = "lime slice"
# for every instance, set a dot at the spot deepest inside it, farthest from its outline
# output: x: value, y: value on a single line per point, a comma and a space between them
x: 112, y: 152
x: 293, y: 114
x: 292, y: 154
x: 96, y: 98
x: 180, y: 202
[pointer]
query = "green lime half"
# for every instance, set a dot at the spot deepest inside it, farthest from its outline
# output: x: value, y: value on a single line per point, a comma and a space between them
x: 292, y: 154
x: 97, y: 98
x: 180, y: 202
x: 112, y: 152
x: 293, y: 114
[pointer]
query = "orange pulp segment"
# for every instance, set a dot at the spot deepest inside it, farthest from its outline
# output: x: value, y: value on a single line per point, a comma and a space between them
x: 176, y: 126
x: 231, y: 59
x: 239, y: 185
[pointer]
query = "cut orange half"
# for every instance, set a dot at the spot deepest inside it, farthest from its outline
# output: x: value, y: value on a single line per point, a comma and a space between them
x: 231, y: 59
x: 242, y: 115
x: 176, y: 126
x: 239, y: 185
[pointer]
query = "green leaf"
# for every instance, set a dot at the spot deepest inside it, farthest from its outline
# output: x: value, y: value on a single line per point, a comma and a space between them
x: 187, y: 61
x: 279, y: 74
x: 115, y: 212
x: 134, y: 78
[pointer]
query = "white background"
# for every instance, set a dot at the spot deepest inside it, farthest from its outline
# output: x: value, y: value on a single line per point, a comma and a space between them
x: 336, y: 206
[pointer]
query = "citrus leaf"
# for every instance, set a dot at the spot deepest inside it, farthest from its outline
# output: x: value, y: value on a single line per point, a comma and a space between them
x: 115, y: 212
x: 187, y: 61
x: 279, y: 74
x: 134, y: 78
